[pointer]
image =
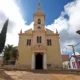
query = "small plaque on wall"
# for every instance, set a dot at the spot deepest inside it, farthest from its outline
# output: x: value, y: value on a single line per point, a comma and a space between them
x: 48, y: 64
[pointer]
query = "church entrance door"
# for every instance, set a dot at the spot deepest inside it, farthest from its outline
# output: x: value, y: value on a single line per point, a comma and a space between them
x: 39, y: 61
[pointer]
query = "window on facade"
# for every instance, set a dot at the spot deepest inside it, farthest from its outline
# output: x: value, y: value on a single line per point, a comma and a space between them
x: 39, y: 21
x: 49, y: 43
x: 39, y: 27
x: 28, y: 42
x: 39, y: 39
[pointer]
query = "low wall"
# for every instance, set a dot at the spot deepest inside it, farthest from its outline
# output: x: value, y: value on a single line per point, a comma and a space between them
x: 1, y: 62
x: 28, y: 67
x: 16, y: 67
x: 54, y: 66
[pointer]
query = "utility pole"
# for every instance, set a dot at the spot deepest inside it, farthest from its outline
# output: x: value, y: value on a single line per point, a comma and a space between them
x: 73, y: 49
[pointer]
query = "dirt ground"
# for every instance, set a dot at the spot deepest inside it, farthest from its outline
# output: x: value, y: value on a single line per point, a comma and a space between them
x: 38, y: 75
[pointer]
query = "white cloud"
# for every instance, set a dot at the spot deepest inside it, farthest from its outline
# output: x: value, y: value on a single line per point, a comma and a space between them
x: 59, y: 24
x: 12, y: 38
x: 9, y: 9
x: 76, y: 53
x: 73, y: 10
x: 68, y: 27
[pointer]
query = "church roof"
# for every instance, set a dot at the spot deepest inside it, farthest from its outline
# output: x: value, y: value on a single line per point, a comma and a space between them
x: 48, y: 31
x: 28, y: 31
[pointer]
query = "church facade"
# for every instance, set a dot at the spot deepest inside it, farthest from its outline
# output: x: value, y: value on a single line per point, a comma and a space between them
x: 39, y: 48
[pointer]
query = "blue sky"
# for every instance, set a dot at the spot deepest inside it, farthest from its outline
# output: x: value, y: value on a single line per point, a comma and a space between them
x: 52, y: 9
x: 63, y: 15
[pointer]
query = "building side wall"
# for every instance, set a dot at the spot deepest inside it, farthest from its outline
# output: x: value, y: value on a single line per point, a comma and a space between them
x: 53, y: 53
x: 54, y: 59
x: 25, y: 53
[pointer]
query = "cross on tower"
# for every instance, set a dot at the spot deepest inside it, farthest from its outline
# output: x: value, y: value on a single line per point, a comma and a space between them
x: 39, y: 1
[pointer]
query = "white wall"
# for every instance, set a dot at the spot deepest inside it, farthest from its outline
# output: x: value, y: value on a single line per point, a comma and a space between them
x: 65, y: 64
x: 73, y: 60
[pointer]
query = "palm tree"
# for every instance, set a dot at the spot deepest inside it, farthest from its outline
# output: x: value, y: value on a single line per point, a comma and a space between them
x: 14, y: 53
x: 10, y: 54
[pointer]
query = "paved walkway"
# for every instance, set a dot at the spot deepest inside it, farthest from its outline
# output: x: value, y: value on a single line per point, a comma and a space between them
x: 37, y: 75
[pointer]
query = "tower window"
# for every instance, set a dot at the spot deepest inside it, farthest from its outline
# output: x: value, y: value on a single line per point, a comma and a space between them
x: 39, y: 21
x: 39, y: 27
x: 49, y: 42
x: 28, y: 42
x: 39, y: 39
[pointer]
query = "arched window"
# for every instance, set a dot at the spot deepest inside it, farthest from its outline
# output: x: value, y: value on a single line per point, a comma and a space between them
x: 39, y: 39
x: 49, y: 42
x: 39, y: 27
x: 28, y: 42
x: 39, y: 21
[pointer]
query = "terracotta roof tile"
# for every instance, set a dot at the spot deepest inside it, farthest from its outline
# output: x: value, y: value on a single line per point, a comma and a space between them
x: 65, y: 57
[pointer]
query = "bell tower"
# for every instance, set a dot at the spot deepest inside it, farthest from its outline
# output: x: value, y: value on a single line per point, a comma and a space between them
x: 39, y: 18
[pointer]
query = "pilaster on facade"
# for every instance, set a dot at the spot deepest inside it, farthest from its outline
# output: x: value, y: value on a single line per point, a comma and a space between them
x: 44, y: 62
x: 33, y: 61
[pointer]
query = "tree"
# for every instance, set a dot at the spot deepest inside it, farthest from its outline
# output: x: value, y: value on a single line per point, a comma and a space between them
x: 3, y: 36
x: 10, y: 53
x: 14, y: 53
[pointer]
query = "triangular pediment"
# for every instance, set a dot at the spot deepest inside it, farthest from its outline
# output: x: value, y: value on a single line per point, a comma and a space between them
x: 28, y: 31
x: 39, y: 47
x: 49, y: 31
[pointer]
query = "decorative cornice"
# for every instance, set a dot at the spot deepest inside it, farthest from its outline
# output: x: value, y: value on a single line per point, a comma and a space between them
x: 39, y: 14
x: 39, y: 31
x: 52, y: 34
x: 40, y: 25
x: 24, y: 34
x: 38, y: 47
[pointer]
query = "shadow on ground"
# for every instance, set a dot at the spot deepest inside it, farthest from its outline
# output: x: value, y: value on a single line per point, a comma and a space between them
x: 4, y: 76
